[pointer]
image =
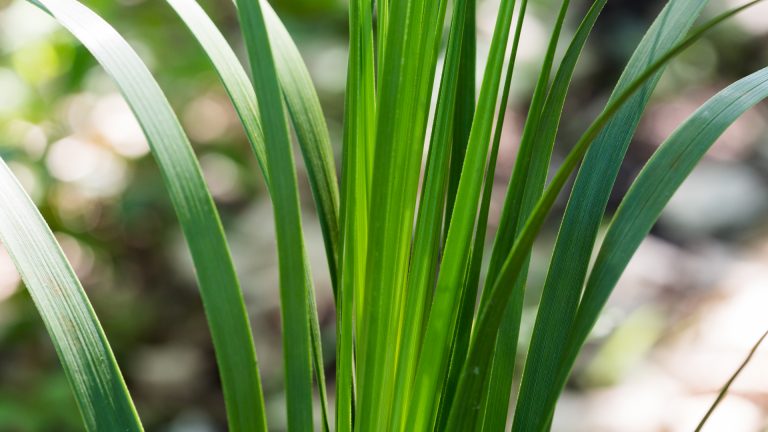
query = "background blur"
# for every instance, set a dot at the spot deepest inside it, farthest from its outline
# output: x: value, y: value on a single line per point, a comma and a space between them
x: 684, y: 315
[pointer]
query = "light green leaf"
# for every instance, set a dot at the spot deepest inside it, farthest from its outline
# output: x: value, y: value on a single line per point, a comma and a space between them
x: 406, y: 72
x: 359, y: 133
x: 435, y: 348
x: 426, y: 243
x: 463, y: 331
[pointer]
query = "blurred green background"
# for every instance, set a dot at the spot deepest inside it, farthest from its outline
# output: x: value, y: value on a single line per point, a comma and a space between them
x: 687, y: 310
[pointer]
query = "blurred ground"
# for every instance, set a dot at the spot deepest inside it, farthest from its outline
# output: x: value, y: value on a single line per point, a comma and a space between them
x: 683, y: 317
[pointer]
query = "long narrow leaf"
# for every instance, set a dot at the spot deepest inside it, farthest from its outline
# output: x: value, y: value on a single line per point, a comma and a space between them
x: 312, y: 133
x: 421, y: 276
x: 524, y: 189
x: 590, y: 194
x: 407, y: 70
x: 195, y: 210
x: 301, y: 99
x: 433, y: 359
x: 464, y: 110
x: 463, y: 331
x: 230, y: 71
x: 490, y: 316
x: 651, y: 191
x: 295, y: 283
x: 359, y: 132
x: 80, y: 342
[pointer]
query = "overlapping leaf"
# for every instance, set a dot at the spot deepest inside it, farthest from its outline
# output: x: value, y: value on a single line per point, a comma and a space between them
x: 295, y: 283
x: 194, y: 207
x: 490, y: 315
x: 312, y: 133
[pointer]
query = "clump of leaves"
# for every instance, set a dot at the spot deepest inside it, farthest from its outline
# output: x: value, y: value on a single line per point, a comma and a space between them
x: 426, y: 341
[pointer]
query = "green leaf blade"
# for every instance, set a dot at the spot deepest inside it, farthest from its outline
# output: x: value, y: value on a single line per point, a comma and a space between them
x: 433, y: 361
x: 651, y: 191
x: 83, y: 349
x: 491, y: 314
x: 357, y: 158
x: 311, y: 131
x: 301, y: 99
x: 525, y: 188
x: 406, y: 75
x: 426, y: 243
x: 584, y: 212
x: 194, y: 207
x: 295, y: 284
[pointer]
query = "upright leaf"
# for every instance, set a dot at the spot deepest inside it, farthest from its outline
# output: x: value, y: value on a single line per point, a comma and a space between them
x: 426, y: 243
x: 524, y: 189
x: 406, y: 75
x: 295, y: 283
x: 311, y: 131
x: 490, y: 315
x: 359, y: 132
x: 464, y: 110
x: 468, y: 300
x: 433, y: 359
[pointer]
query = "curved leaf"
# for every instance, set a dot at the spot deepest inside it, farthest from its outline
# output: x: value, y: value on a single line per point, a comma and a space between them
x: 650, y: 192
x: 219, y: 287
x: 583, y: 215
x: 313, y: 137
x: 303, y: 105
x: 80, y: 342
x: 490, y: 316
